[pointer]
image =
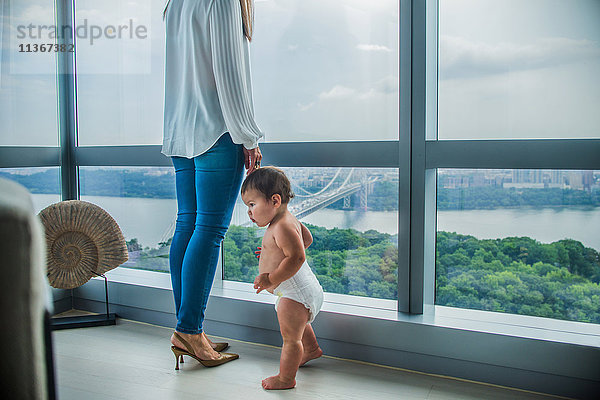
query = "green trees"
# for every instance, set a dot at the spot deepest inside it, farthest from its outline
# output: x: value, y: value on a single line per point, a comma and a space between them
x: 516, y: 275
x: 239, y: 246
x: 133, y: 245
x: 519, y: 275
x: 145, y: 183
x: 46, y: 182
x: 345, y: 261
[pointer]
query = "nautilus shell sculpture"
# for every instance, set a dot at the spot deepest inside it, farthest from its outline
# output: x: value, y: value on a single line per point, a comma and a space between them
x: 82, y: 241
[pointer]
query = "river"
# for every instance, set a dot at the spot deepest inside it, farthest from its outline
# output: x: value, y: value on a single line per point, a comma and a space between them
x: 151, y: 220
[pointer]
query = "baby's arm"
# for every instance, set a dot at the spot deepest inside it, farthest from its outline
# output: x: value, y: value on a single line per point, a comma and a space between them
x: 289, y: 241
x: 306, y: 236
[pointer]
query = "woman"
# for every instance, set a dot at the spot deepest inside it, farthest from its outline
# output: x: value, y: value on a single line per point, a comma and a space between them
x: 210, y: 134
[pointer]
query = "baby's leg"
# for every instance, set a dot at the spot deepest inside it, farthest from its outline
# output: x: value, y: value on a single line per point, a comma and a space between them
x: 310, y: 345
x: 292, y: 317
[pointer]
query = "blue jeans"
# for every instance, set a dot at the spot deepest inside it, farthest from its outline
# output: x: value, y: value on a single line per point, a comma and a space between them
x: 207, y: 188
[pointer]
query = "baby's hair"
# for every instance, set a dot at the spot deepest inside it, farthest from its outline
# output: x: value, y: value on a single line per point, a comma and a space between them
x: 269, y: 181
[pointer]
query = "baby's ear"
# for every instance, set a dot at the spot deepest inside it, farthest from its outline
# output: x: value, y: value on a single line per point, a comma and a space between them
x: 276, y: 199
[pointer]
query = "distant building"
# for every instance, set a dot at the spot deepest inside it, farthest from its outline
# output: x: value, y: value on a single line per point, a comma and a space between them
x: 478, y: 180
x: 587, y: 180
x: 557, y: 177
x: 575, y: 179
x: 527, y: 178
x: 520, y: 176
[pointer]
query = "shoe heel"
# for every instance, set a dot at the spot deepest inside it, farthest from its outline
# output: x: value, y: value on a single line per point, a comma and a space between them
x: 177, y: 354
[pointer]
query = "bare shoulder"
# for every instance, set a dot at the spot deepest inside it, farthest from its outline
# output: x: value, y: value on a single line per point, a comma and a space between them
x: 287, y: 229
x: 286, y: 225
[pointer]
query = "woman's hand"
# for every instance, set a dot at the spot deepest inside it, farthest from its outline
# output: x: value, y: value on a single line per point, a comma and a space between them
x: 252, y: 159
x: 257, y: 252
x: 262, y: 282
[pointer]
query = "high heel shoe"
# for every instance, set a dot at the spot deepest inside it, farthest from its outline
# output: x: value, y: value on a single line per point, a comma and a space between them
x: 179, y: 352
x: 219, y: 347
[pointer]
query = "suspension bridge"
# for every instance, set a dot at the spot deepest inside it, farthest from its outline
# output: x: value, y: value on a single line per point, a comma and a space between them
x: 342, y: 185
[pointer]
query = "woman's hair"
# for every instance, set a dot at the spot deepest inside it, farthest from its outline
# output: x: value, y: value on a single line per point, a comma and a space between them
x: 247, y: 16
x: 269, y: 181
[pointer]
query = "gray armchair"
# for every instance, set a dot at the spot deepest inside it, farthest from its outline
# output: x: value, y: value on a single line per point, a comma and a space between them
x: 25, y: 346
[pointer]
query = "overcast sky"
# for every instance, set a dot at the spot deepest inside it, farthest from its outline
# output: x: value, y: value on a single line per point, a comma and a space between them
x: 327, y: 70
x: 519, y: 69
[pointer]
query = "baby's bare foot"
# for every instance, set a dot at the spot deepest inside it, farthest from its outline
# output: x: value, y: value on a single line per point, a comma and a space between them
x: 311, y: 355
x: 275, y: 383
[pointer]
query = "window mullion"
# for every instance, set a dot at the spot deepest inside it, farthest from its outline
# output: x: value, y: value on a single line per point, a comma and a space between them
x: 66, y: 101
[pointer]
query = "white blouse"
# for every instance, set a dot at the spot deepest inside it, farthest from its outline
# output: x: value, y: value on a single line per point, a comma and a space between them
x: 208, y: 87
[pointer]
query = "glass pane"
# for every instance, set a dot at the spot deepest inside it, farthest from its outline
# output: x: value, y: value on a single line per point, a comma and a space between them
x: 520, y: 241
x: 120, y: 62
x: 519, y: 69
x: 352, y: 214
x: 326, y: 70
x: 42, y: 183
x: 142, y: 201
x: 28, y: 92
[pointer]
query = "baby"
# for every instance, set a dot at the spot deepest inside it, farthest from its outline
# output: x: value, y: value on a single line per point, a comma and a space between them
x: 284, y: 272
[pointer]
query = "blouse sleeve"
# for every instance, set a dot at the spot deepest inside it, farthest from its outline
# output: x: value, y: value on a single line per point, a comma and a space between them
x: 230, y: 71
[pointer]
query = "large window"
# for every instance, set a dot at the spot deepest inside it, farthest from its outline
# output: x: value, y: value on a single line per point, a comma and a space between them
x: 42, y: 183
x: 142, y: 201
x: 329, y: 72
x: 27, y: 75
x: 119, y: 72
x: 373, y: 94
x: 517, y: 220
x: 326, y: 70
x: 520, y: 241
x: 519, y: 69
x: 352, y: 214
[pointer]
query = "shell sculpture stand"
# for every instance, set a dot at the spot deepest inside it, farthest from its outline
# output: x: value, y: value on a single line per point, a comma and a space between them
x: 82, y: 241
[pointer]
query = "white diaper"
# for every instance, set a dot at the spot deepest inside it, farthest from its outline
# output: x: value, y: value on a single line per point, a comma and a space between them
x: 303, y: 288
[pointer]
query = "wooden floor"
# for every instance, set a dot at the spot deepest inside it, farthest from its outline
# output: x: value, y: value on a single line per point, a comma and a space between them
x: 134, y: 361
